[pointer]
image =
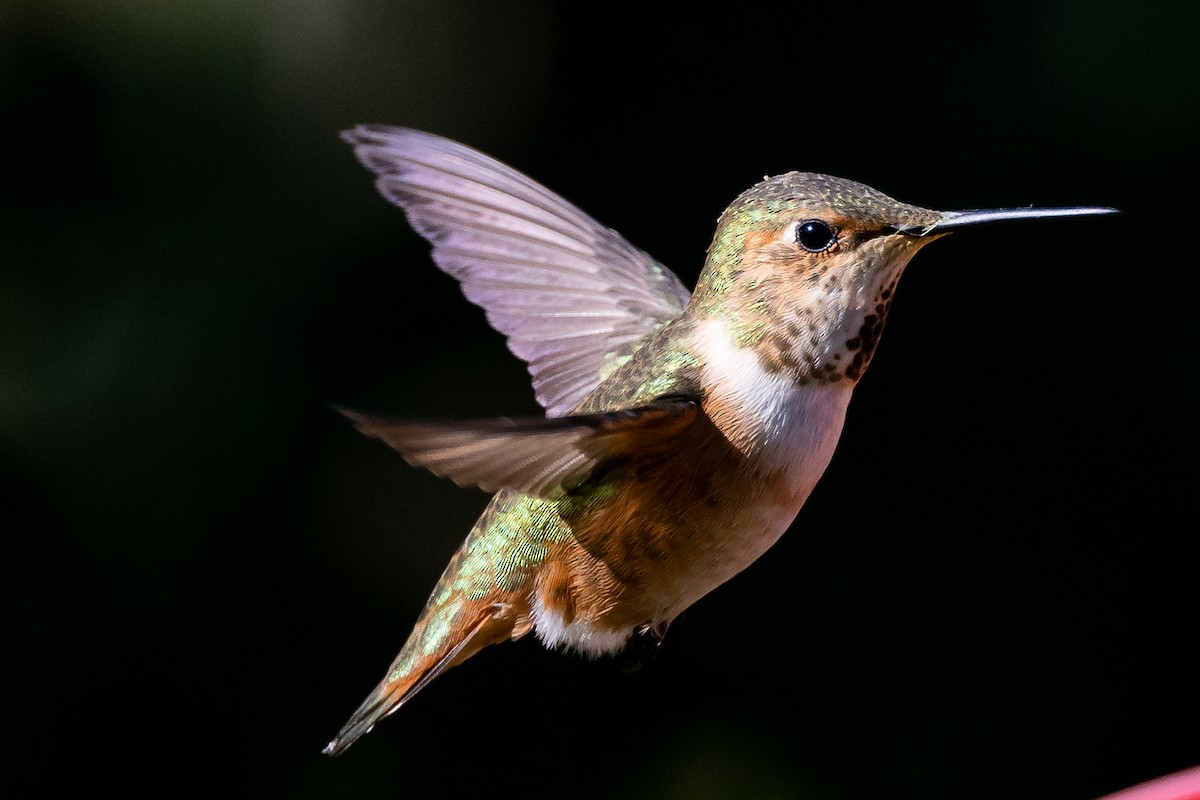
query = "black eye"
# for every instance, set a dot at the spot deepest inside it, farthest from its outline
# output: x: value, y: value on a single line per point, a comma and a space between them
x: 814, y: 235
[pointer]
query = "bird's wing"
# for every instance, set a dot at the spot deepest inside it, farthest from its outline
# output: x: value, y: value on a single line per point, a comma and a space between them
x: 541, y: 457
x: 572, y: 296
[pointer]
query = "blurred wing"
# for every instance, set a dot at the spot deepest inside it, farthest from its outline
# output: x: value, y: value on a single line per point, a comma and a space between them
x: 539, y: 457
x: 572, y: 296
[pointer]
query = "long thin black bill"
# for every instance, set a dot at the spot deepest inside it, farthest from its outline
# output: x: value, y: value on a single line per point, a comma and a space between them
x: 953, y: 220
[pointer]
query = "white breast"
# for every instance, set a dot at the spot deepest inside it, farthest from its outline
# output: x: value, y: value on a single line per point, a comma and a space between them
x: 786, y: 429
x: 769, y: 417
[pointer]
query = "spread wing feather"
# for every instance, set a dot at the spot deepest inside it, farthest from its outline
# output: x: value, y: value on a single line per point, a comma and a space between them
x: 540, y: 457
x: 570, y: 295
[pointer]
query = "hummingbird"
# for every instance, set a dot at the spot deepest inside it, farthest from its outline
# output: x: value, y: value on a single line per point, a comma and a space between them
x: 683, y: 431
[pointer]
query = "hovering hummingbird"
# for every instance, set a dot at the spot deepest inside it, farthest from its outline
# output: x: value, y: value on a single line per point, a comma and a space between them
x: 683, y: 431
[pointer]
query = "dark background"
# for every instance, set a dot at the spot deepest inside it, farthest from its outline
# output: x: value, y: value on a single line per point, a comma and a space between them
x: 992, y: 593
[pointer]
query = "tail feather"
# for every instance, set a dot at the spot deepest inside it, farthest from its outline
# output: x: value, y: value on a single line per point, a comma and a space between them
x: 403, y: 681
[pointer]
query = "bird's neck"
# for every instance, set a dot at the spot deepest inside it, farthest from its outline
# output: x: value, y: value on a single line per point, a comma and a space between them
x: 775, y: 421
x: 812, y: 326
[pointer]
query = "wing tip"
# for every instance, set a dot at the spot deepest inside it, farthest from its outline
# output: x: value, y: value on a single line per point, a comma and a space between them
x: 376, y: 139
x: 380, y: 148
x: 358, y: 418
x: 363, y: 132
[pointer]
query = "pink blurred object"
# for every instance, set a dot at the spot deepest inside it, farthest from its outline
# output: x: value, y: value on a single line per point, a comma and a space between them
x: 1183, y: 785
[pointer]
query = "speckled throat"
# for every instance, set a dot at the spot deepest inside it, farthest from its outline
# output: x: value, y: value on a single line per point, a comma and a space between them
x: 825, y: 342
x: 815, y: 314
